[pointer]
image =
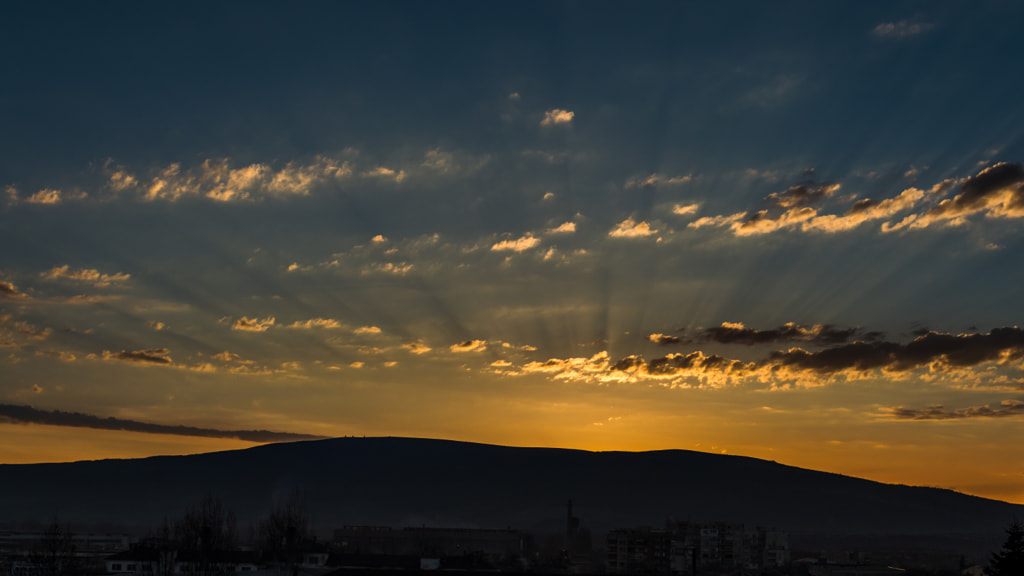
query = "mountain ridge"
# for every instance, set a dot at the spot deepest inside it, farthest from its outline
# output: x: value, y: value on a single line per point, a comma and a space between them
x: 400, y: 481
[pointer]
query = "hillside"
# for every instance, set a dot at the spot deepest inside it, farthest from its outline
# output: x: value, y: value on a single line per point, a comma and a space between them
x: 405, y: 481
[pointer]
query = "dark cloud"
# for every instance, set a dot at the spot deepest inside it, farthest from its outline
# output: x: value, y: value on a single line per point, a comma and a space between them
x: 980, y: 193
x: 8, y: 290
x: 737, y: 333
x: 945, y: 350
x: 800, y: 195
x: 152, y: 356
x: 1006, y: 409
x: 28, y: 415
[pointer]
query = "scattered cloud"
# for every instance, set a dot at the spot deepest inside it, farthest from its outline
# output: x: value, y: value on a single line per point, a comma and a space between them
x: 996, y: 192
x: 630, y: 228
x: 417, y: 348
x: 469, y: 346
x: 685, y: 209
x: 325, y: 323
x: 664, y: 339
x: 367, y: 330
x: 1006, y: 409
x: 45, y: 196
x: 901, y: 29
x: 738, y: 333
x: 158, y: 326
x: 253, y: 324
x: 86, y: 275
x: 385, y: 173
x: 656, y: 179
x: 518, y: 245
x: 29, y: 415
x: 157, y: 356
x: 9, y: 290
x: 564, y: 228
x: 557, y: 116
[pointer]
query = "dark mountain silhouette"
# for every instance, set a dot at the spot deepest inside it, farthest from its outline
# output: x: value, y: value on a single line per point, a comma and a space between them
x: 412, y: 482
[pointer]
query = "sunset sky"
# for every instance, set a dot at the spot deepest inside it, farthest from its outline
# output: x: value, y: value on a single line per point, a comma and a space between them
x: 784, y: 230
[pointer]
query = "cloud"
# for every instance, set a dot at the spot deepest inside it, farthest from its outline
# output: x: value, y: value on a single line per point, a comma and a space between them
x: 656, y: 179
x: 664, y: 339
x: 701, y: 369
x: 901, y: 29
x: 791, y: 210
x: 867, y: 210
x: 1006, y: 409
x: 367, y: 330
x: 217, y: 180
x: 518, y: 245
x: 384, y: 173
x: 801, y: 195
x: 253, y: 325
x: 400, y: 269
x: 86, y: 275
x: 557, y: 116
x: 417, y: 348
x: 379, y: 238
x: 738, y: 333
x: 158, y: 326
x: 629, y: 228
x: 937, y: 351
x: 514, y: 96
x: 28, y: 415
x: 45, y: 196
x: 158, y: 356
x: 8, y: 290
x: 469, y: 346
x: 996, y: 191
x: 325, y: 323
x: 685, y: 209
x: 564, y: 228
x: 226, y: 356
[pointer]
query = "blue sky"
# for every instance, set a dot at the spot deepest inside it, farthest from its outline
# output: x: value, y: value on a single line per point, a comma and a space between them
x: 783, y: 230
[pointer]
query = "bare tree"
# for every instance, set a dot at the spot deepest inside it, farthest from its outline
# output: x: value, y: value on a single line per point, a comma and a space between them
x: 55, y: 554
x: 284, y: 534
x: 206, y: 536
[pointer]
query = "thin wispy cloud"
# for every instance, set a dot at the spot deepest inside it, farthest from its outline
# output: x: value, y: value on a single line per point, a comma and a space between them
x: 27, y: 415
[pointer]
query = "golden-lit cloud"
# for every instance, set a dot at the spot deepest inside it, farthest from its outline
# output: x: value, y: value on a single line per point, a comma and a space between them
x: 9, y: 290
x: 417, y: 348
x: 85, y: 275
x: 563, y: 228
x: 630, y: 228
x: 664, y: 339
x: 469, y: 346
x: 325, y: 323
x: 685, y: 209
x: 557, y: 116
x: 45, y: 196
x: 253, y: 324
x: 995, y: 192
x: 367, y: 330
x: 518, y: 245
x: 384, y: 173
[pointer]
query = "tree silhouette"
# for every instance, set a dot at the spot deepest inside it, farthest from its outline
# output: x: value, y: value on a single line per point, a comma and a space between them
x: 284, y: 534
x: 55, y: 554
x: 1009, y: 561
x: 205, y: 537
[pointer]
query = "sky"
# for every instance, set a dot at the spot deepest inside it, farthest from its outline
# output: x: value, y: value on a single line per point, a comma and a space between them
x: 783, y: 230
